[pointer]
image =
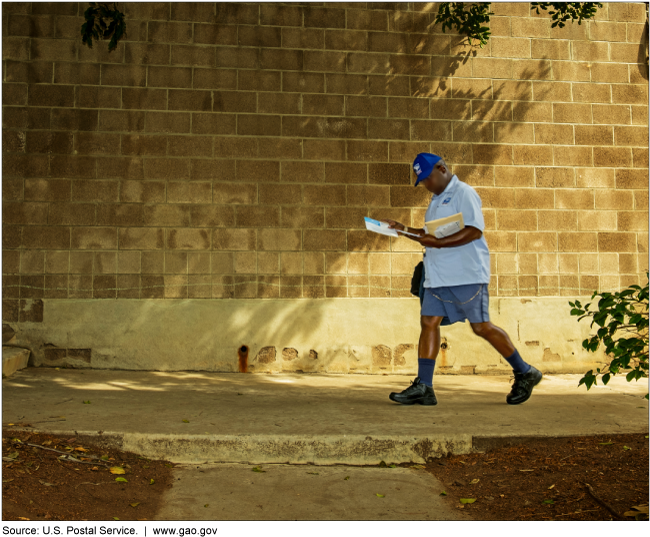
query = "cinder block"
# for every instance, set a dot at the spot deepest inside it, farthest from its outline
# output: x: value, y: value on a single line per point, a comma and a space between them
x: 289, y: 262
x: 364, y: 19
x: 632, y: 220
x: 359, y: 150
x: 612, y: 156
x: 194, y: 56
x: 289, y: 60
x: 233, y: 147
x: 532, y: 112
x: 232, y: 193
x: 578, y: 242
x: 16, y: 48
x: 215, y: 34
x: 346, y: 84
x: 259, y: 36
x: 571, y: 113
x: 592, y: 93
x: 141, y: 238
x: 258, y: 125
x: 628, y: 93
x: 516, y: 220
x: 332, y: 195
x: 597, y: 221
x: 303, y: 38
x: 541, y: 241
x: 118, y: 120
x: 345, y: 40
x: 323, y: 105
x: 280, y: 148
x: 511, y: 47
x: 252, y: 216
x: 125, y: 214
x: 489, y: 67
x: 591, y: 51
x: 39, y: 95
x: 93, y: 238
x: 169, y: 32
x: 272, y: 194
x: 574, y: 199
x: 392, y: 85
x: 624, y: 52
x: 608, y: 72
x: 632, y: 179
x: 123, y: 75
x: 346, y: 172
x: 533, y: 154
x: 558, y: 220
x: 187, y: 239
x: 98, y: 97
x: 593, y: 135
x: 616, y: 242
x: 52, y: 50
x: 631, y: 136
x: 519, y: 176
x: 572, y: 156
x: 555, y: 177
x: 318, y: 17
x: 323, y: 149
x: 549, y: 48
x: 595, y: 177
x: 171, y: 77
x: 282, y: 239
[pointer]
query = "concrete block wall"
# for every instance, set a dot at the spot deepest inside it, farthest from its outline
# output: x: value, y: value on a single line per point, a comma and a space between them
x: 231, y: 151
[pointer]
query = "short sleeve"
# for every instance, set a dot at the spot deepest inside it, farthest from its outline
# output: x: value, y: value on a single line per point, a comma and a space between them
x: 470, y: 206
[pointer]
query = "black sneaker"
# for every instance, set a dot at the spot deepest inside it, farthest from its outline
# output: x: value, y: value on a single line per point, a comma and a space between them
x: 416, y: 393
x: 523, y: 386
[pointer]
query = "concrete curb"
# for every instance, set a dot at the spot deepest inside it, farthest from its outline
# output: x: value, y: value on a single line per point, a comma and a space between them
x: 287, y: 449
x: 279, y: 449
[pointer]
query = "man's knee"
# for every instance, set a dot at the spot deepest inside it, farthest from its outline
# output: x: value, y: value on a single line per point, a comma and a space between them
x: 482, y: 329
x: 430, y: 323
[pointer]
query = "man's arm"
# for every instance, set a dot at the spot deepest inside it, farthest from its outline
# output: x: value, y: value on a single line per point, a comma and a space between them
x: 464, y: 236
x: 402, y: 227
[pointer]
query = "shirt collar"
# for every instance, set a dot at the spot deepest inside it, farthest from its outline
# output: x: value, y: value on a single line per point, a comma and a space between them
x: 451, y: 186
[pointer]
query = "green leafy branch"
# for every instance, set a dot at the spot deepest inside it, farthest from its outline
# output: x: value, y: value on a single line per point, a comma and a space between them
x: 564, y: 11
x: 471, y: 19
x: 103, y: 22
x: 618, y: 315
x: 470, y: 22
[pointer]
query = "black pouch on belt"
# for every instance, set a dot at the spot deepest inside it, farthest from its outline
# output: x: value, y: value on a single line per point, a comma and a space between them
x: 417, y: 278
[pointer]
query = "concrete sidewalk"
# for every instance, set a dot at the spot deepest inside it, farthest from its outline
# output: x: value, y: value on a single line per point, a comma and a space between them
x: 320, y: 419
x: 283, y: 492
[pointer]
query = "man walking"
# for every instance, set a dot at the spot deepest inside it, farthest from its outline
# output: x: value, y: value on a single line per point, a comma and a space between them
x: 457, y: 274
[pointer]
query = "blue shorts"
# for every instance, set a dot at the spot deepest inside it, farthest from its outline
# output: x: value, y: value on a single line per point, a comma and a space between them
x: 457, y: 303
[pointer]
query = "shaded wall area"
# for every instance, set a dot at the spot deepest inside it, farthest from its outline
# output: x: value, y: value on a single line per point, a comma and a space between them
x: 230, y: 150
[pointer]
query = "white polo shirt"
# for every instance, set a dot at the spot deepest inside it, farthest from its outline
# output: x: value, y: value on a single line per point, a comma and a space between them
x: 459, y: 265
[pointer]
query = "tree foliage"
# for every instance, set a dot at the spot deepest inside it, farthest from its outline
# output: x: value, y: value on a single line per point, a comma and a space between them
x: 471, y: 18
x: 103, y: 22
x: 622, y: 319
x: 470, y: 22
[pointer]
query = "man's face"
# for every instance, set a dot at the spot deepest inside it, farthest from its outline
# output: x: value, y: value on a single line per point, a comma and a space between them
x: 437, y: 180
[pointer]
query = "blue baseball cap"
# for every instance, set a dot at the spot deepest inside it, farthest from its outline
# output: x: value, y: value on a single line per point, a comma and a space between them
x: 423, y: 165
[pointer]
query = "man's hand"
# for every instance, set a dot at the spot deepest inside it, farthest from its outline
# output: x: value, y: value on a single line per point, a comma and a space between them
x: 396, y: 225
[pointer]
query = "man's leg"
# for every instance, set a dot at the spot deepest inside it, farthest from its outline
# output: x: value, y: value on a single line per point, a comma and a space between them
x: 526, y: 376
x: 428, y: 348
x: 502, y: 343
x: 421, y: 392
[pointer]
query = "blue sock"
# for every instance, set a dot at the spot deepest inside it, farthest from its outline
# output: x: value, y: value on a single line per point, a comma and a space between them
x: 518, y: 365
x: 425, y: 371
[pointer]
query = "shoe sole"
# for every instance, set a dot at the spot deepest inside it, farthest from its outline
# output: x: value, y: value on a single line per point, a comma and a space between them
x: 531, y: 393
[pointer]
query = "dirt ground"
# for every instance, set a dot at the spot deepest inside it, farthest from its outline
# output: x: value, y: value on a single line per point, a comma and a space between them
x: 535, y: 480
x: 39, y: 485
x: 545, y: 479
